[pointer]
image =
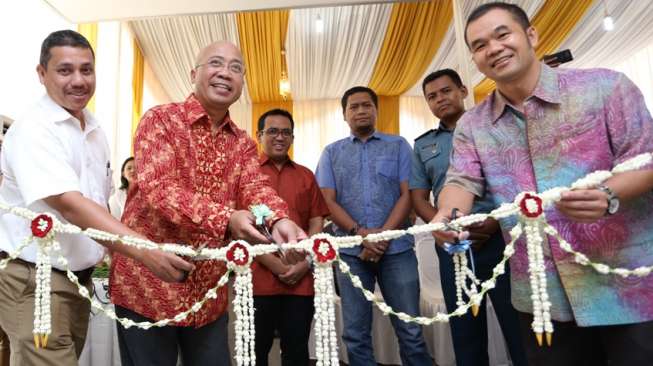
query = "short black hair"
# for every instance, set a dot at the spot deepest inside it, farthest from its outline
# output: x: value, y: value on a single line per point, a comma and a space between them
x: 517, y: 13
x: 359, y: 89
x: 62, y: 38
x: 440, y: 73
x: 275, y: 112
x: 124, y: 183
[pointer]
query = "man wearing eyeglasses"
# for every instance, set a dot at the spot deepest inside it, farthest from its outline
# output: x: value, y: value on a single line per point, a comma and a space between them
x: 283, y: 283
x: 195, y: 168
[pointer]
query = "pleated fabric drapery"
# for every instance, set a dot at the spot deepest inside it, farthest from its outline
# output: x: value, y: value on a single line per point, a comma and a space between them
x: 414, y: 34
x: 322, y: 65
x: 554, y: 22
x: 89, y: 30
x: 138, y: 73
x: 262, y: 37
x: 447, y: 57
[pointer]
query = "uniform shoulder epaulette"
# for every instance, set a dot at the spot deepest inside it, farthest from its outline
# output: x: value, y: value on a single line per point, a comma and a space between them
x: 424, y: 134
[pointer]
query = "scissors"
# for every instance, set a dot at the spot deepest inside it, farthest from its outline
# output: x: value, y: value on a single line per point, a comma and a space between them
x: 263, y: 229
x: 459, y: 246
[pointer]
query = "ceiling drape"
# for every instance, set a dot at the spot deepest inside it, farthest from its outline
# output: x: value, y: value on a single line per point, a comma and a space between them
x: 322, y: 65
x: 262, y: 37
x: 413, y: 36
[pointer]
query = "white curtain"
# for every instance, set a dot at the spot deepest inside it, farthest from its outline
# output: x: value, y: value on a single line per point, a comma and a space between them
x: 114, y: 93
x: 171, y: 44
x: 153, y: 92
x: 594, y: 47
x: 241, y: 114
x: 415, y: 118
x: 639, y: 68
x: 324, y: 65
x: 317, y: 124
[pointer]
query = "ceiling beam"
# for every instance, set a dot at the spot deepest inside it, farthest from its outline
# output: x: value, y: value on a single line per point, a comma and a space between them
x: 86, y: 11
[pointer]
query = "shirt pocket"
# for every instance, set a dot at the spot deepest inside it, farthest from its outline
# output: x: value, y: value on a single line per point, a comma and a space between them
x: 429, y: 152
x: 303, y: 203
x: 388, y: 168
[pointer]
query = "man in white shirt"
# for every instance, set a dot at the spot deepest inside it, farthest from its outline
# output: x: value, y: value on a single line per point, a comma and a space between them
x: 56, y: 159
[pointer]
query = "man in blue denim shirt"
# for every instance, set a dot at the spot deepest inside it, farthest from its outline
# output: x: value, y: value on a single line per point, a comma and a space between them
x: 364, y: 180
x: 445, y: 94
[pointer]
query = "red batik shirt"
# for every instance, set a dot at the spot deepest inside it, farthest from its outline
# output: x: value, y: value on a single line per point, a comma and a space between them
x: 188, y: 183
x: 297, y: 186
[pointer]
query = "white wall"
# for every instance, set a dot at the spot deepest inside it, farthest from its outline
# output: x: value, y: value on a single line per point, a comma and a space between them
x: 23, y: 26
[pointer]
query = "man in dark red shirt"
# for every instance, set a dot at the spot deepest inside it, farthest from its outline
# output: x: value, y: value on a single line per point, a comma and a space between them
x: 283, y: 284
x: 194, y: 168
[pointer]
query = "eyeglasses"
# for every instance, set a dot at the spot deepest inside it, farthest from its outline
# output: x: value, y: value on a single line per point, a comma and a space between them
x: 273, y: 131
x: 235, y: 67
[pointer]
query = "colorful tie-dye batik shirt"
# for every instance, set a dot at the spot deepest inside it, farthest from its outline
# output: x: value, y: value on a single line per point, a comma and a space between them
x: 576, y: 122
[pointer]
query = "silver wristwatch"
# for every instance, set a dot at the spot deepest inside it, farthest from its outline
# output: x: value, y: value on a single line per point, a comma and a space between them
x: 613, y: 200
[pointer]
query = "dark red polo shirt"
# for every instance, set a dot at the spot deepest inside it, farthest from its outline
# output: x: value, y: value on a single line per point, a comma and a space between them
x: 296, y: 185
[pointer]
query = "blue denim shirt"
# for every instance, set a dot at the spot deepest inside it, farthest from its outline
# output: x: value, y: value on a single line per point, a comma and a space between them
x: 366, y: 178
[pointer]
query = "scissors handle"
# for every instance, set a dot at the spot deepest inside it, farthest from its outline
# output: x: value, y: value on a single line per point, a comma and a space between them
x: 264, y: 230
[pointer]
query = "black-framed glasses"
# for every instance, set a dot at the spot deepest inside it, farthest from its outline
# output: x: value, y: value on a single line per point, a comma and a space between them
x: 273, y: 131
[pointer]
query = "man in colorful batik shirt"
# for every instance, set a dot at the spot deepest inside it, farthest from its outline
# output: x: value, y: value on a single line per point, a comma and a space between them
x: 545, y: 128
x: 194, y: 167
x: 283, y: 288
x: 445, y: 95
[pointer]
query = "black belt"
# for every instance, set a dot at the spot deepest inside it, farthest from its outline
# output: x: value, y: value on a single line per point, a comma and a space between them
x: 83, y: 276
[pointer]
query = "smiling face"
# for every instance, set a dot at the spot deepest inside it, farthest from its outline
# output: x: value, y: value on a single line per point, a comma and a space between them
x: 274, y: 138
x: 218, y: 76
x: 446, y: 100
x: 69, y: 78
x: 501, y: 48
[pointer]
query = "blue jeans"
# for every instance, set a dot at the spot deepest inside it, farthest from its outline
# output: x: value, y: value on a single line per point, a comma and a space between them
x: 399, y: 282
x: 469, y: 333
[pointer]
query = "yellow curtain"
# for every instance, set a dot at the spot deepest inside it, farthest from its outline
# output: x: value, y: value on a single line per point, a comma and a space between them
x: 413, y: 36
x: 553, y: 22
x: 389, y: 109
x: 89, y: 30
x: 262, y: 37
x: 137, y: 87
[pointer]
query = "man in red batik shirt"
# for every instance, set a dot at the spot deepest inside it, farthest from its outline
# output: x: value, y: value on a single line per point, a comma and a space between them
x: 283, y: 286
x: 194, y: 167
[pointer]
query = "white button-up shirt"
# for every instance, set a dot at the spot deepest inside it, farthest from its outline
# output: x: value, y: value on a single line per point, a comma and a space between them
x: 46, y: 153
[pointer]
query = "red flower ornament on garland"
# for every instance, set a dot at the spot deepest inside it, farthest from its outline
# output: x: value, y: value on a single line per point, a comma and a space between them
x: 324, y: 251
x: 41, y: 225
x: 531, y: 205
x: 238, y: 254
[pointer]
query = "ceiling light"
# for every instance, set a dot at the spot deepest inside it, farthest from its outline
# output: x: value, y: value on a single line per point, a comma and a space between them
x: 608, y: 23
x: 284, y: 86
x: 319, y: 24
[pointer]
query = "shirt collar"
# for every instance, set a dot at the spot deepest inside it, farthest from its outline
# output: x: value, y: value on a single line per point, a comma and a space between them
x: 57, y: 114
x: 441, y: 128
x: 264, y: 159
x: 195, y: 112
x: 376, y: 135
x: 547, y: 89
